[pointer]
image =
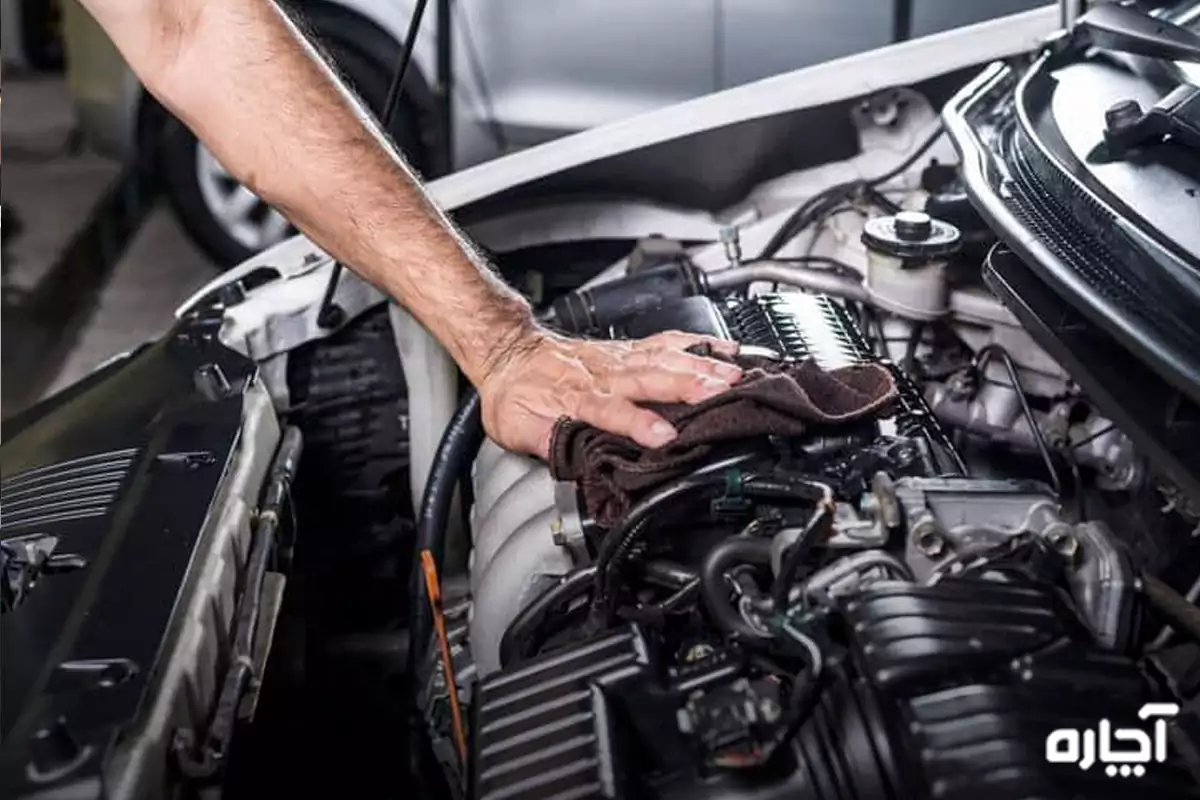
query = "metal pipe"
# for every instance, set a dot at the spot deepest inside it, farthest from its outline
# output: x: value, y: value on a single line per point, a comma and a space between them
x: 813, y: 280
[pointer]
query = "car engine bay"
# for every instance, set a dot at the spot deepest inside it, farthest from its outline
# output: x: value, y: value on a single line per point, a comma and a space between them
x: 984, y: 589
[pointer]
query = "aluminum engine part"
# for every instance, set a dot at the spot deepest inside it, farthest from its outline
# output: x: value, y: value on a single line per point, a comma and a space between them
x: 515, y: 550
x: 950, y: 520
x: 994, y: 411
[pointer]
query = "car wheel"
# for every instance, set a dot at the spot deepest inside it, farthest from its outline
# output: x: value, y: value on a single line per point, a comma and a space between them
x: 41, y: 34
x: 228, y: 221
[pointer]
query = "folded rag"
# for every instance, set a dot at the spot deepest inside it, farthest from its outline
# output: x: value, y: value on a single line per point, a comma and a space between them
x: 772, y: 399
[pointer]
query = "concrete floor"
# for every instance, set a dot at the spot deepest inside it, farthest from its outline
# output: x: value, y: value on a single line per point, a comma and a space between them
x: 52, y: 189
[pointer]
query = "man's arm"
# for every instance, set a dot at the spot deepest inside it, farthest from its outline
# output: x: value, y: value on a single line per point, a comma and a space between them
x: 244, y: 79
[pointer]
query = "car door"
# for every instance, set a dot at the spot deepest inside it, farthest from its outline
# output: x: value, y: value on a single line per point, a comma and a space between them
x: 531, y: 70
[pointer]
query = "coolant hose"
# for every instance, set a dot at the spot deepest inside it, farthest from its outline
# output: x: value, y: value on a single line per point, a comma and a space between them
x: 459, y: 445
x: 715, y: 589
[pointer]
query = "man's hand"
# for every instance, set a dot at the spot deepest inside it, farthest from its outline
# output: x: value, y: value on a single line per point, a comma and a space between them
x: 546, y: 377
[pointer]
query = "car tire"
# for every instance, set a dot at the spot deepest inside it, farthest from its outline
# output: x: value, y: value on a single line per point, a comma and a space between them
x: 41, y: 34
x: 217, y: 213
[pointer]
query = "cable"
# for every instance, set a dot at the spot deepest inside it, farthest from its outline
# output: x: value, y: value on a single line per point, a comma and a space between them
x: 912, y: 157
x: 330, y: 314
x: 829, y: 198
x: 621, y: 540
x: 1091, y: 437
x: 986, y: 354
x: 633, y: 527
x: 459, y: 444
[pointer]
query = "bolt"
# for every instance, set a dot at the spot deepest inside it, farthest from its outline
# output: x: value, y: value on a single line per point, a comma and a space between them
x: 697, y: 652
x: 962, y: 385
x: 1064, y: 543
x: 769, y: 709
x: 928, y: 541
x: 731, y: 238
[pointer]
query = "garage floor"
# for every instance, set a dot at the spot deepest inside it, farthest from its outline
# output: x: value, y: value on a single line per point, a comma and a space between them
x: 51, y: 187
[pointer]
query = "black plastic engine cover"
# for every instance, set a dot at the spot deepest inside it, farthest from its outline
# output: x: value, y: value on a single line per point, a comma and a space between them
x: 953, y: 690
x: 945, y: 692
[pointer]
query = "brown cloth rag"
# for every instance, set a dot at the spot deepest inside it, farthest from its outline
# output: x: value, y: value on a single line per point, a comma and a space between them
x: 771, y: 399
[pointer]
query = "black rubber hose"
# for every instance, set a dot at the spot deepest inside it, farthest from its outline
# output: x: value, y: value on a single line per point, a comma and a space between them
x: 522, y: 631
x: 829, y: 198
x: 818, y: 529
x: 622, y: 537
x: 1181, y: 614
x: 620, y: 541
x: 459, y: 445
x: 715, y: 590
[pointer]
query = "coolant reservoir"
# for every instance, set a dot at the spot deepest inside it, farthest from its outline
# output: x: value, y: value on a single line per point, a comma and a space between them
x: 906, y: 263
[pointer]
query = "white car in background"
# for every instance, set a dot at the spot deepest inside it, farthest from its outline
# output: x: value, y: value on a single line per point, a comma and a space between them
x: 501, y: 77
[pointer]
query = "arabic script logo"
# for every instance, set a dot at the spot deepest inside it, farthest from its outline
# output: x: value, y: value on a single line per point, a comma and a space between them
x: 1125, y: 751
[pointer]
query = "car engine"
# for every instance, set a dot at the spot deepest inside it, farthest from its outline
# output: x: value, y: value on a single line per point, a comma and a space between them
x: 848, y: 615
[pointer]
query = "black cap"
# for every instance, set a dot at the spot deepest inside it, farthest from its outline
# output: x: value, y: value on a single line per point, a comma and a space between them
x: 911, y: 234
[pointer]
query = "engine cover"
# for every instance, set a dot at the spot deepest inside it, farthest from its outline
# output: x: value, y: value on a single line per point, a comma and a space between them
x: 526, y: 531
x: 946, y: 691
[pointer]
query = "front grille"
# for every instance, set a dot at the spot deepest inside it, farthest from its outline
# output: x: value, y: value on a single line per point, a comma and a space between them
x: 82, y: 488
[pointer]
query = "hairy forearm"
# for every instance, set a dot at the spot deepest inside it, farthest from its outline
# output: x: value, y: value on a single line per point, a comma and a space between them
x: 243, y: 78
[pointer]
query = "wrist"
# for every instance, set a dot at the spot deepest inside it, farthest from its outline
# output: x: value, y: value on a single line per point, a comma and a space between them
x: 519, y: 335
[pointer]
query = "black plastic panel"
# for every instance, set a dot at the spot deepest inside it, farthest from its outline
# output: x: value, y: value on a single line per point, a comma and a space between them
x: 966, y: 679
x: 122, y: 471
x: 539, y: 728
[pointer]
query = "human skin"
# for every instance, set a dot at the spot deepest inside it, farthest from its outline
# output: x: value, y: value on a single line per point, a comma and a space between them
x: 244, y: 78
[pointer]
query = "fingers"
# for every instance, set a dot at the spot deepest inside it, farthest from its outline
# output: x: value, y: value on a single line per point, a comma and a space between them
x: 666, y: 385
x: 678, y: 340
x: 620, y: 416
x: 697, y: 365
x: 667, y: 350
